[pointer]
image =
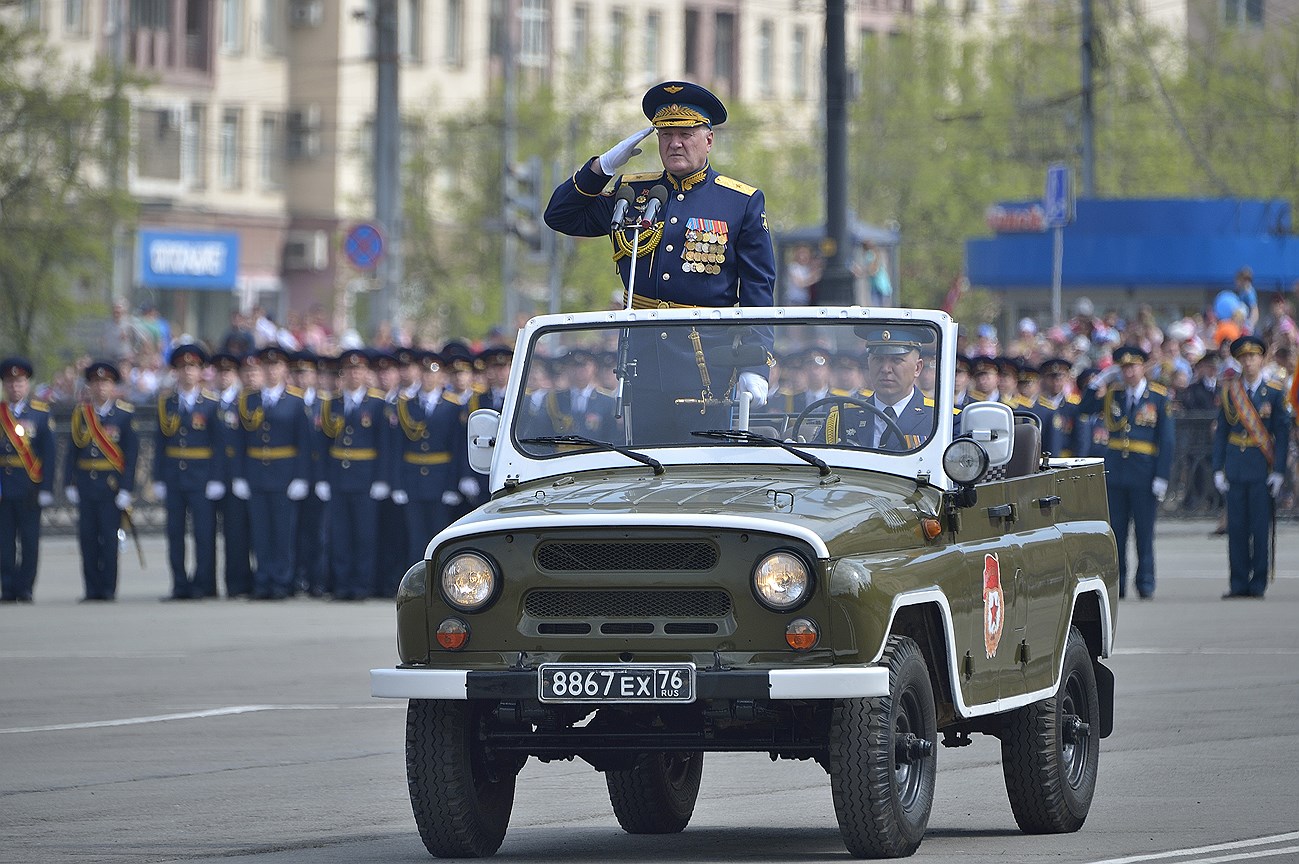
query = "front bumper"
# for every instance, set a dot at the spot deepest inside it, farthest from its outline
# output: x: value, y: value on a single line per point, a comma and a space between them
x: 836, y: 682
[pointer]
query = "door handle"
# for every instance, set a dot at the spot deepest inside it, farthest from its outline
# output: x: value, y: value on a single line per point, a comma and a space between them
x: 1002, y: 511
x: 1049, y: 501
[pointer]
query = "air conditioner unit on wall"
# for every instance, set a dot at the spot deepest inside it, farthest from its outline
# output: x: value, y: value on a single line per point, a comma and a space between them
x: 306, y: 13
x: 306, y: 250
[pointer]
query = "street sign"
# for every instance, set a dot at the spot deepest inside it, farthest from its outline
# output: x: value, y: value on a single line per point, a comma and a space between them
x: 363, y: 246
x: 1058, y: 201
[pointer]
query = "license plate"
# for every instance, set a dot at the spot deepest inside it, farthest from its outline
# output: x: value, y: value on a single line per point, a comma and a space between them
x: 616, y: 682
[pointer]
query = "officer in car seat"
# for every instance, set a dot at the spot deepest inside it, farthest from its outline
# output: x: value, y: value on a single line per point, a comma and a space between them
x: 893, y: 359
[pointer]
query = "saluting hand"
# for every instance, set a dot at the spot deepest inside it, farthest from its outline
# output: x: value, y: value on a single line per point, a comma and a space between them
x: 618, y: 155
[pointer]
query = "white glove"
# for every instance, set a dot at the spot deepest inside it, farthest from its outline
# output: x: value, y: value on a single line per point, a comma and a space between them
x: 450, y: 498
x: 45, y: 499
x: 380, y: 490
x: 159, y: 490
x: 1274, y: 481
x: 1220, y: 482
x: 215, y: 490
x: 239, y: 487
x: 297, y: 490
x: 400, y: 498
x: 752, y: 382
x: 618, y: 154
x: 1159, y: 486
x: 73, y: 496
x: 122, y: 499
x: 1101, y: 381
x: 322, y: 490
x: 468, y: 487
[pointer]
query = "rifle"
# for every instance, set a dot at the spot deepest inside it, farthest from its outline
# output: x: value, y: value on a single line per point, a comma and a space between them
x: 129, y: 523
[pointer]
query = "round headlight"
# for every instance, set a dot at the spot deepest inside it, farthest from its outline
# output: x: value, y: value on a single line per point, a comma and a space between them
x: 468, y: 581
x: 782, y: 581
x: 965, y: 461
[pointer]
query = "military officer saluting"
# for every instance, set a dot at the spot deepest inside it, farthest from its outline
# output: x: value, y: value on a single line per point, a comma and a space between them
x: 274, y: 463
x: 1250, y: 446
x: 100, y: 476
x: 903, y: 416
x: 26, y: 479
x: 1137, y: 414
x: 189, y: 472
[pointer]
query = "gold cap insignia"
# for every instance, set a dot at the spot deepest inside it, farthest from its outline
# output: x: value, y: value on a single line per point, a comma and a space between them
x: 673, y: 89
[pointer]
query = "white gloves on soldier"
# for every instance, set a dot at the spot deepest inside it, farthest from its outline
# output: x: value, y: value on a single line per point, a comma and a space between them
x: 755, y: 384
x: 73, y: 496
x: 45, y: 499
x: 400, y: 498
x: 159, y: 490
x: 215, y: 490
x: 1159, y: 487
x: 323, y: 492
x: 297, y: 490
x: 239, y: 487
x: 617, y: 155
x: 468, y: 487
x: 1274, y: 482
x: 379, y: 490
x: 1101, y: 381
x: 451, y: 498
x: 1220, y: 482
x: 122, y: 500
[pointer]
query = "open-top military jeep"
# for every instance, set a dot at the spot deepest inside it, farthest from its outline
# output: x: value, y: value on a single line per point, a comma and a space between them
x: 667, y: 567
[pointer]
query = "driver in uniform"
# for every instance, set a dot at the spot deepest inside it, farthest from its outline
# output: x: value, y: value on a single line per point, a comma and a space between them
x: 894, y: 364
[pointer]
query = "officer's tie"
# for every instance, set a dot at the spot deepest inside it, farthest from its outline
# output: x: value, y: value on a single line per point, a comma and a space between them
x: 884, y: 429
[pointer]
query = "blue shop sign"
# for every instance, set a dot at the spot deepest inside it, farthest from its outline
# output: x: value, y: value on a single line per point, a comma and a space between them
x: 188, y: 259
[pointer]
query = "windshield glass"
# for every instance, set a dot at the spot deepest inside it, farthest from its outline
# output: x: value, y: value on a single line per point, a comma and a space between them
x: 866, y: 385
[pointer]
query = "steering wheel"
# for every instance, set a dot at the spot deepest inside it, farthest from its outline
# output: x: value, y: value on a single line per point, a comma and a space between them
x: 890, y: 425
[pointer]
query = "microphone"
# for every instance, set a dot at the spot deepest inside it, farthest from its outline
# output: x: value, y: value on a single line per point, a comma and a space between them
x: 623, y: 201
x: 658, y: 197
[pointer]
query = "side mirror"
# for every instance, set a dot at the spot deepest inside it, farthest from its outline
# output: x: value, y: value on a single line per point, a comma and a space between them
x: 484, y: 425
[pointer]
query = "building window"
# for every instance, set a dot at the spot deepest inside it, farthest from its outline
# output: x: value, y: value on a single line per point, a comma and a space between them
x: 158, y: 143
x: 455, y: 33
x: 1243, y: 13
x: 229, y: 144
x: 534, y: 19
x: 798, y: 62
x: 692, y: 42
x: 270, y: 163
x: 232, y: 26
x: 496, y: 29
x: 766, y: 59
x: 579, y: 53
x: 653, y: 44
x: 193, y: 155
x: 149, y: 14
x: 411, y: 31
x: 74, y: 17
x: 32, y: 13
x: 274, y: 20
x: 618, y: 42
x: 724, y: 49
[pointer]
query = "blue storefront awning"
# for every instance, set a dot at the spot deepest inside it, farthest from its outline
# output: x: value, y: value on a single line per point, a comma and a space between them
x: 200, y: 260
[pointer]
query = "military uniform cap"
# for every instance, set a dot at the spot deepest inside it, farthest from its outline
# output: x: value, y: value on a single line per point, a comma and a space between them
x: 381, y: 359
x: 187, y: 355
x: 428, y: 361
x: 816, y: 356
x: 1007, y: 365
x: 457, y: 357
x: 1029, y: 372
x: 305, y: 360
x: 847, y: 360
x: 964, y: 364
x: 225, y: 360
x: 894, y: 339
x: 577, y: 355
x: 102, y: 370
x: 1086, y: 375
x: 407, y: 356
x: 606, y: 359
x: 12, y: 367
x: 681, y: 104
x: 1054, y: 365
x: 326, y: 363
x: 1248, y: 345
x: 353, y: 358
x: 496, y: 355
x: 272, y: 354
x: 983, y: 364
x: 1126, y: 354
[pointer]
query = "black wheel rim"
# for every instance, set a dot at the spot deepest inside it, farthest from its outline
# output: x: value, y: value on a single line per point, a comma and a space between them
x: 1075, y: 732
x: 908, y: 761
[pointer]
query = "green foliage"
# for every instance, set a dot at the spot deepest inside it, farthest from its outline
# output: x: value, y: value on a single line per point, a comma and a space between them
x: 55, y: 214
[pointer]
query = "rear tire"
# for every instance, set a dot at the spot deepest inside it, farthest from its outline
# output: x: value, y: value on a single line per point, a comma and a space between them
x: 1050, y: 750
x: 461, y: 802
x: 883, y: 760
x: 657, y: 795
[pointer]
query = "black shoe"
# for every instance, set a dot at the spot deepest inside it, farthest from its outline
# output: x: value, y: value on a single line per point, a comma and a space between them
x: 8, y: 599
x: 1147, y: 596
x: 25, y: 598
x: 169, y: 598
x: 1233, y: 595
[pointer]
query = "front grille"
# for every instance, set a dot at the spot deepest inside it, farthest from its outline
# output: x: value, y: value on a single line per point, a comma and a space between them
x: 626, y: 628
x: 640, y: 604
x: 583, y: 556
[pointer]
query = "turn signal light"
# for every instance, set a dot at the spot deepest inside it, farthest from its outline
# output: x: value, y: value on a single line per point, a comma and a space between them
x: 931, y: 526
x: 453, y: 634
x: 801, y: 634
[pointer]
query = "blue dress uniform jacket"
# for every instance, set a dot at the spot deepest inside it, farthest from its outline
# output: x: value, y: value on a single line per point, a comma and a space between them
x: 595, y: 420
x: 190, y: 452
x: 310, y: 561
x: 1057, y: 422
x: 275, y: 450
x: 93, y: 468
x: 431, y: 458
x: 1238, y: 454
x: 236, y: 525
x: 857, y: 426
x: 1139, y: 449
x: 357, y: 454
x: 27, y: 454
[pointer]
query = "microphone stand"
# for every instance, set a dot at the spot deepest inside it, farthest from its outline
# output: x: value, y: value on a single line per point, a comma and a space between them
x: 626, y: 369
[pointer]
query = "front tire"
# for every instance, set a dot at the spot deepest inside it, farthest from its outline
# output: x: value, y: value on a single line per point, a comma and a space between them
x: 461, y: 800
x: 1050, y: 750
x: 657, y: 795
x: 883, y: 759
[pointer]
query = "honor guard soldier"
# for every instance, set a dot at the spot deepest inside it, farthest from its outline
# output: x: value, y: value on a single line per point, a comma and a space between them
x: 1089, y: 434
x: 100, y: 476
x: 407, y: 370
x: 274, y: 462
x: 962, y: 395
x: 310, y: 561
x: 390, y: 556
x: 903, y: 418
x: 984, y: 388
x: 703, y: 241
x: 430, y: 456
x: 816, y: 379
x: 27, y: 452
x: 580, y: 408
x: 458, y: 365
x: 495, y: 361
x: 235, y: 526
x: 1250, y: 446
x: 189, y: 471
x: 1055, y: 408
x: 1007, y: 392
x: 354, y: 423
x: 1138, y: 457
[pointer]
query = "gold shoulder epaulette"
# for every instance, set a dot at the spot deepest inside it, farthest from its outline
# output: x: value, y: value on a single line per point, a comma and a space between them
x: 38, y: 405
x: 453, y: 398
x: 929, y: 402
x: 1073, y: 399
x: 729, y: 183
x: 126, y: 406
x: 839, y: 391
x: 376, y: 393
x: 209, y: 394
x: 295, y: 391
x: 644, y: 175
x: 1158, y: 389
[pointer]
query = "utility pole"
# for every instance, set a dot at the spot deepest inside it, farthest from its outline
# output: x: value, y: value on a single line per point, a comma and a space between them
x: 121, y: 260
x: 836, y: 283
x: 387, y: 162
x: 509, y: 146
x: 1088, y: 109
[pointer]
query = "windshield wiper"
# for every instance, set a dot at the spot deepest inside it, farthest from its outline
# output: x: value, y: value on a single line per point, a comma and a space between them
x: 744, y: 436
x: 603, y: 445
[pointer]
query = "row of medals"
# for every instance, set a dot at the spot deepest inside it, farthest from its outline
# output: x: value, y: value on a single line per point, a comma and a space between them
x: 704, y: 252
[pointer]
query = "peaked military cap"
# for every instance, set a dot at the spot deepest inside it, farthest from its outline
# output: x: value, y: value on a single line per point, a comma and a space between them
x: 305, y: 360
x: 381, y: 359
x: 225, y: 360
x: 894, y: 339
x: 353, y: 358
x: 457, y: 357
x: 578, y: 355
x: 102, y: 370
x: 1055, y: 366
x: 1248, y: 345
x: 272, y: 354
x: 1007, y: 365
x: 681, y: 104
x: 964, y: 364
x: 188, y: 354
x: 983, y: 363
x: 407, y: 356
x: 1125, y: 354
x: 12, y: 367
x: 496, y: 355
x: 1029, y: 372
x: 429, y: 361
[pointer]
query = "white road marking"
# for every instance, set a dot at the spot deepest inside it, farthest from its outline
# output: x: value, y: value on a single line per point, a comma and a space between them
x: 186, y: 715
x: 1217, y: 847
x: 1207, y: 652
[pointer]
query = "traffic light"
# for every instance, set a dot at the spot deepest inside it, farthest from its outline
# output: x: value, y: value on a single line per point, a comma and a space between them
x: 523, y: 202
